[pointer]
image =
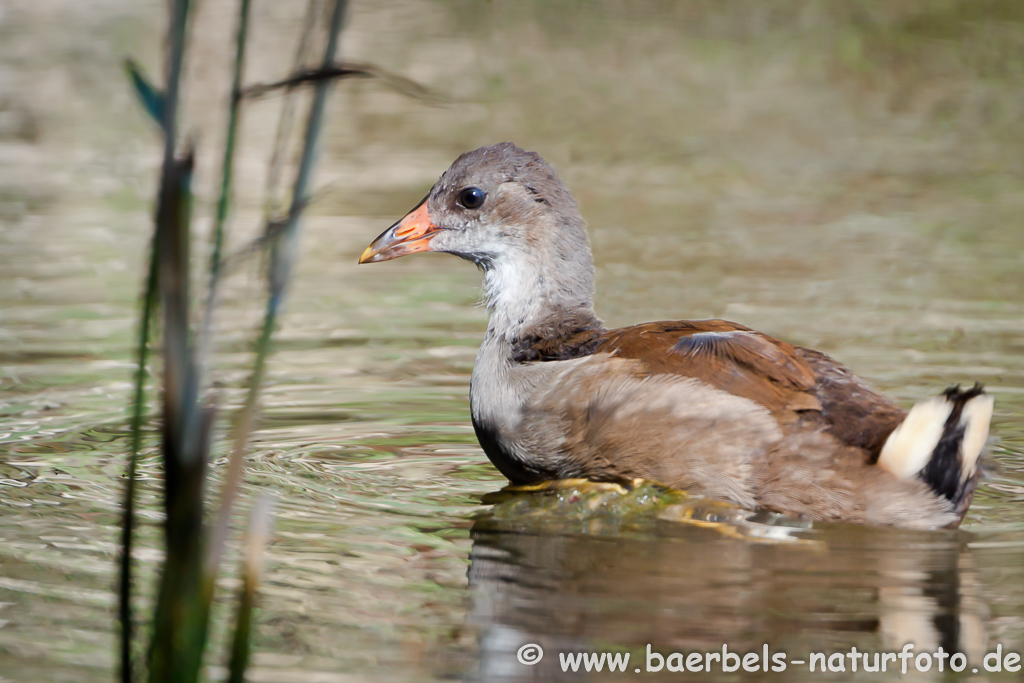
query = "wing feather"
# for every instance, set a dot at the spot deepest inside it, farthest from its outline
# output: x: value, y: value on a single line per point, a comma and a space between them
x: 727, y: 356
x: 793, y: 383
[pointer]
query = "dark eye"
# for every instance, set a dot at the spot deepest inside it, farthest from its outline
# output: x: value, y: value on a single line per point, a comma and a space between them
x: 472, y: 197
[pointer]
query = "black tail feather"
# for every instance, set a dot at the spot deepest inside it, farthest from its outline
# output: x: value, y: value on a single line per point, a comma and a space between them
x: 944, y: 472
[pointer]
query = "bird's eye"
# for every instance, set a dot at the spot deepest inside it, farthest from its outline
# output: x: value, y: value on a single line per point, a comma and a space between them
x: 472, y: 197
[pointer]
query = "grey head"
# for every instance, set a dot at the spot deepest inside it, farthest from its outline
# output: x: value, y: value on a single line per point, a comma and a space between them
x: 506, y: 210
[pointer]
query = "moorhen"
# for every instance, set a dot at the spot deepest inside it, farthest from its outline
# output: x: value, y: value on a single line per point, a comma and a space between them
x: 708, y: 406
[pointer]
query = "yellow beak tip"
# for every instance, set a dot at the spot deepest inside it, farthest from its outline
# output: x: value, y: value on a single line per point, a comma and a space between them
x: 367, y: 255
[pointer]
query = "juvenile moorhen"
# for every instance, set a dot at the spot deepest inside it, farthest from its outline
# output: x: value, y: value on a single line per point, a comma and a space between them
x: 709, y: 406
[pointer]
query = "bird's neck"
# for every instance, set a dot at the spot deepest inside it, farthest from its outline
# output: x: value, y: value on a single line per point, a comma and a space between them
x: 505, y: 379
x: 541, y: 298
x: 524, y: 293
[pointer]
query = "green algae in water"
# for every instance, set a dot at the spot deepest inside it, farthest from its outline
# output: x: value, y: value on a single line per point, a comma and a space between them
x: 581, y: 506
x: 574, y: 499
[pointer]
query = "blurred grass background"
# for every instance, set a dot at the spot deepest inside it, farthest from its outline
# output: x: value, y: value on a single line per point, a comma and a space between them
x: 667, y: 118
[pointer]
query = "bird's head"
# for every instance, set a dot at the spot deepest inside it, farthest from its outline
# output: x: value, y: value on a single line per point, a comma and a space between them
x: 494, y: 204
x: 506, y: 210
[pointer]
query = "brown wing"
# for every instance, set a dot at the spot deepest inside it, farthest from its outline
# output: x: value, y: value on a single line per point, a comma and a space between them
x: 728, y: 356
x: 856, y: 413
x: 792, y: 382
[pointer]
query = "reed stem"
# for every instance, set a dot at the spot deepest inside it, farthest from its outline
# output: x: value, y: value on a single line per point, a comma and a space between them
x: 227, y: 174
x: 138, y: 406
x: 281, y: 264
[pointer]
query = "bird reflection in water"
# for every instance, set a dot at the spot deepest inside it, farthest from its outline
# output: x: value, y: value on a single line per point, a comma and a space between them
x: 600, y: 581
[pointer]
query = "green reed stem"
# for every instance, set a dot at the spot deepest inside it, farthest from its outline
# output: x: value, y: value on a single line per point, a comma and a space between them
x: 313, y: 125
x: 227, y: 174
x: 227, y: 164
x: 174, y: 66
x: 175, y: 652
x: 252, y: 568
x: 179, y: 623
x: 128, y: 524
x: 284, y: 124
x: 176, y: 58
x: 281, y: 265
x: 242, y: 429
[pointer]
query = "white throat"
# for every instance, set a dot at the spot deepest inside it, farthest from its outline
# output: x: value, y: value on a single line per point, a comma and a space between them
x: 515, y: 297
x: 524, y: 291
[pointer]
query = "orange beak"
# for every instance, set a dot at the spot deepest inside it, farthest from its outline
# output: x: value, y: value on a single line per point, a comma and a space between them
x: 408, y: 236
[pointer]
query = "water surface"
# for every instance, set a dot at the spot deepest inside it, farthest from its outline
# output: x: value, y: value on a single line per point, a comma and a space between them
x: 848, y: 178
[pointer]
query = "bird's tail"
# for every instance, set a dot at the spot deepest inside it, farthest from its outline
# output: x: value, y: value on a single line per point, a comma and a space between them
x: 940, y: 441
